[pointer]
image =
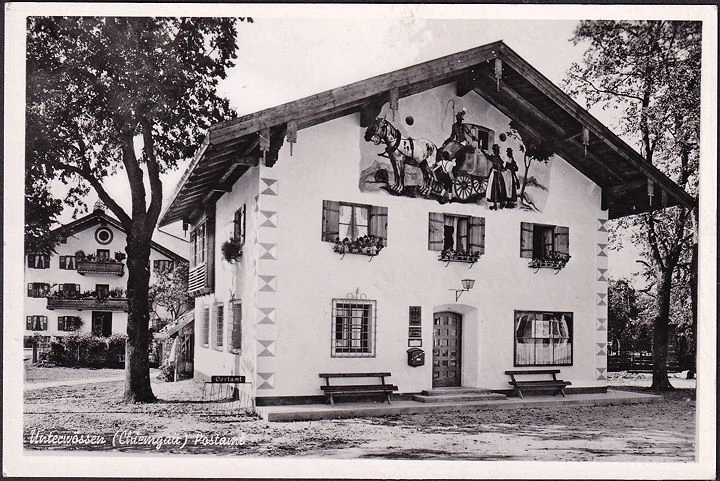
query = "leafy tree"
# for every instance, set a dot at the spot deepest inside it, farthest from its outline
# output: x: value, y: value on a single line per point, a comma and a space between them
x: 101, y: 89
x: 622, y: 313
x: 650, y: 72
x: 170, y: 291
x: 539, y: 150
x: 41, y: 211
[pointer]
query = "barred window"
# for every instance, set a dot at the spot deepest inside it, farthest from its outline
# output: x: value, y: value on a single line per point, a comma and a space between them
x: 236, y: 333
x: 205, y: 326
x: 543, y: 338
x: 38, y: 289
x: 219, y: 325
x: 353, y: 328
x: 36, y: 323
x: 68, y: 262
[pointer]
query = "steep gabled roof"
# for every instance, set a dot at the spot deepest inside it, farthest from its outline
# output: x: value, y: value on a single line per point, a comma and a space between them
x: 539, y: 107
x: 98, y: 217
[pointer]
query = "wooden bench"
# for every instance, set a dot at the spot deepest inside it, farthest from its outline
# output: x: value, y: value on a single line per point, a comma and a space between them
x: 558, y: 385
x: 355, y: 389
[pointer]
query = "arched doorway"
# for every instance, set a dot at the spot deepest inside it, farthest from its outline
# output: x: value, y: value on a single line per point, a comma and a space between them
x: 447, y: 343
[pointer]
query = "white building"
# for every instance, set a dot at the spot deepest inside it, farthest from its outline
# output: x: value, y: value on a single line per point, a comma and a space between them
x: 69, y: 293
x: 286, y: 182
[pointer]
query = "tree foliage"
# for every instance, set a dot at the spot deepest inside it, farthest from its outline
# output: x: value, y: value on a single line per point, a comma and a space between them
x: 98, y: 90
x: 649, y: 71
x: 169, y: 292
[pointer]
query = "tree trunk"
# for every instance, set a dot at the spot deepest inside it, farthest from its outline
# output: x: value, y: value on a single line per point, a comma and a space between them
x: 694, y: 307
x: 137, y: 365
x: 660, y: 382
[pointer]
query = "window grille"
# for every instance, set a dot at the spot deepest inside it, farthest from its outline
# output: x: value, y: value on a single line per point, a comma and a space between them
x: 353, y: 327
x: 206, y: 326
x: 236, y: 333
x: 219, y: 325
x: 543, y: 338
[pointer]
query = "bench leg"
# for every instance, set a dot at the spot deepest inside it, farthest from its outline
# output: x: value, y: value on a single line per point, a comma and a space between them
x: 332, y: 403
x: 562, y: 391
x: 519, y: 392
x: 387, y: 395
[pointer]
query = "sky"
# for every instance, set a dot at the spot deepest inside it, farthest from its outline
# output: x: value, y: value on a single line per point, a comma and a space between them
x: 293, y: 51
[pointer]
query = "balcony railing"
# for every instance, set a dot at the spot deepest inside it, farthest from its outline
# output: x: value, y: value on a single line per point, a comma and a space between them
x: 108, y: 304
x: 100, y: 267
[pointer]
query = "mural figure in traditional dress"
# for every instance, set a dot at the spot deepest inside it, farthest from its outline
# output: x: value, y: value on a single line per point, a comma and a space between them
x: 496, y: 189
x: 511, y: 180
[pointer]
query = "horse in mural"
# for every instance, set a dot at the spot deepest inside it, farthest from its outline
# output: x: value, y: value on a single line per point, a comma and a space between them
x: 403, y: 150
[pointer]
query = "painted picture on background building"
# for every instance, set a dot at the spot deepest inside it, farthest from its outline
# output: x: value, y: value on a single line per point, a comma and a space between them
x: 438, y: 146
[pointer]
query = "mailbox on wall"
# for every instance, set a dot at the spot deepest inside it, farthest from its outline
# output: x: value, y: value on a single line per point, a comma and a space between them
x: 416, y: 357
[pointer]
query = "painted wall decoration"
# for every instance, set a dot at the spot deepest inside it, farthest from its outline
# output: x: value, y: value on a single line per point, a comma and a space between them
x: 480, y: 158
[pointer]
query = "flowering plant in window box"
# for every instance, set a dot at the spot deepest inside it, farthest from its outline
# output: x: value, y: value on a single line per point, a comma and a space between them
x: 369, y: 245
x: 120, y: 256
x: 552, y: 259
x: 452, y: 255
x: 232, y: 249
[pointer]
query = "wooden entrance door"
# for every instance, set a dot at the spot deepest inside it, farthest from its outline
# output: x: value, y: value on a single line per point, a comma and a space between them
x: 447, y: 340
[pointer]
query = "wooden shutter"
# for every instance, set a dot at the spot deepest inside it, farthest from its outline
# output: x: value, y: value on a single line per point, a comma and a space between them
x: 526, y: 239
x: 43, y: 323
x: 562, y: 239
x: 476, y: 235
x: 378, y: 222
x: 330, y: 220
x: 61, y: 323
x: 210, y: 247
x: 436, y: 231
x: 28, y: 323
x: 30, y: 290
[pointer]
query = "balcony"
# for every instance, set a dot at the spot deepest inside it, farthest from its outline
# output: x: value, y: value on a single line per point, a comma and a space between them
x: 100, y: 267
x: 96, y: 304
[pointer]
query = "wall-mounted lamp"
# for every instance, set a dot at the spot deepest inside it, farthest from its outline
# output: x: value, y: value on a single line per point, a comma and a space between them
x: 467, y: 284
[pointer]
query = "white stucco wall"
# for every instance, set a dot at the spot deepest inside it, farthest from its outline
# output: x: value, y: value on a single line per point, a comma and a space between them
x: 85, y: 241
x: 298, y: 283
x: 232, y: 281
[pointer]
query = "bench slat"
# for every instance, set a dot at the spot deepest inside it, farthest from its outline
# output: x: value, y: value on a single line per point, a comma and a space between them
x: 354, y: 374
x: 538, y: 371
x: 539, y: 383
x: 369, y: 387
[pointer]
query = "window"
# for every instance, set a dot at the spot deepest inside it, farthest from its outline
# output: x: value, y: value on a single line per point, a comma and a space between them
x: 343, y: 220
x: 68, y: 323
x: 103, y: 254
x: 447, y: 232
x: 38, y: 289
x: 162, y: 265
x: 239, y: 225
x: 68, y: 262
x: 543, y: 338
x: 353, y: 328
x: 36, y: 323
x: 102, y: 290
x: 205, y: 326
x: 539, y: 241
x: 69, y: 291
x: 219, y: 325
x: 197, y: 239
x: 236, y: 333
x: 38, y: 261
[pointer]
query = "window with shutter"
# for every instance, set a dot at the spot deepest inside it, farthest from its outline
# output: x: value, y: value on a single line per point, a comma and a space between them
x: 562, y: 239
x: 236, y: 333
x: 331, y: 217
x: 459, y: 238
x: 547, y: 245
x: 436, y: 231
x: 378, y: 222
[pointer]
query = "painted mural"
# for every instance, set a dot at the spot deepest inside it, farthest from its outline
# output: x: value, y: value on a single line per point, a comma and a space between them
x: 475, y: 163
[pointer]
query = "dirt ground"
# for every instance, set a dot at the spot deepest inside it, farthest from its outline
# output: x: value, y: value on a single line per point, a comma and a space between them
x: 658, y: 431
x: 40, y: 374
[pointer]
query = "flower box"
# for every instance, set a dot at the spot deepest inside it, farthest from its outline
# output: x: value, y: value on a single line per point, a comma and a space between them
x: 552, y: 260
x: 459, y: 256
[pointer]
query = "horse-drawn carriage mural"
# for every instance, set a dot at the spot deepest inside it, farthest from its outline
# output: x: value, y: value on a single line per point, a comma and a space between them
x: 468, y: 167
